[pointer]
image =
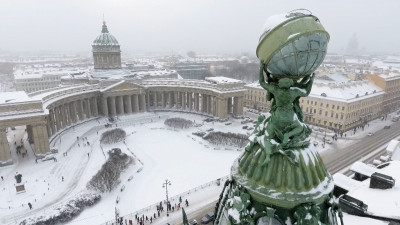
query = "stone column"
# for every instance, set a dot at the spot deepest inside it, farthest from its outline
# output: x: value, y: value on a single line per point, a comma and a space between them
x: 230, y: 105
x: 71, y: 112
x: 104, y: 106
x: 135, y: 103
x: 113, y: 108
x: 5, y: 154
x: 183, y: 100
x: 174, y: 96
x: 49, y: 133
x: 238, y: 106
x: 88, y: 108
x: 221, y: 108
x: 190, y: 100
x: 204, y: 103
x: 58, y: 118
x: 64, y: 116
x: 52, y: 122
x: 155, y: 100
x: 95, y: 107
x: 67, y: 114
x: 82, y: 109
x: 178, y: 100
x: 40, y: 139
x: 142, y: 103
x: 209, y: 104
x: 120, y: 105
x: 128, y: 104
x: 147, y: 98
x: 170, y: 99
x: 162, y: 100
x: 196, y: 102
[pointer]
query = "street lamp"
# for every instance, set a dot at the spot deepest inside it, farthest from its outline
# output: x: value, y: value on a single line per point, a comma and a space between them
x: 165, y: 184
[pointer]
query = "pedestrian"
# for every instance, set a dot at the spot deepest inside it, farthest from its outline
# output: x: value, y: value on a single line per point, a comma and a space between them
x: 88, y: 155
x: 30, y: 205
x: 97, y: 132
x: 151, y: 219
x: 180, y: 199
x: 158, y: 210
x: 2, y: 178
x: 187, y: 203
x: 79, y: 145
x: 62, y: 178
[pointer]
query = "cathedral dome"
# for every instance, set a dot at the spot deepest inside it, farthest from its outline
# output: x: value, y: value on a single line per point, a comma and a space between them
x: 105, y: 38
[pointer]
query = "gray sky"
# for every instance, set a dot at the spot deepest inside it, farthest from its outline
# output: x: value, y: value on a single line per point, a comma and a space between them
x: 205, y: 26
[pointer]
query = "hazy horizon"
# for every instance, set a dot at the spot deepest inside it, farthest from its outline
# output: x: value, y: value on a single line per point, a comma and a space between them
x: 178, y: 26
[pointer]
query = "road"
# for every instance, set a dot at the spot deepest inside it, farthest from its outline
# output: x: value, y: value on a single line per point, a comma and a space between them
x: 337, y: 160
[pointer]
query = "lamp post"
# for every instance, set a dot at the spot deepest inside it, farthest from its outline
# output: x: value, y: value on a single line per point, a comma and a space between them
x: 165, y: 184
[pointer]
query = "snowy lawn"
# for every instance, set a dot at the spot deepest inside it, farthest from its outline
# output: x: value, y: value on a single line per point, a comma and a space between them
x: 161, y: 153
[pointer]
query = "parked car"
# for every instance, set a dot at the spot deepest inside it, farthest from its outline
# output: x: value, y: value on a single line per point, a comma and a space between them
x: 370, y: 134
x: 329, y: 141
x: 229, y: 123
x: 386, y: 127
x: 244, y: 127
x: 193, y: 222
x: 315, y: 143
x: 209, y: 217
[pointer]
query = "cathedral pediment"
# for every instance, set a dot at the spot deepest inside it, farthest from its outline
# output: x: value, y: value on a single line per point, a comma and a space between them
x: 122, y: 86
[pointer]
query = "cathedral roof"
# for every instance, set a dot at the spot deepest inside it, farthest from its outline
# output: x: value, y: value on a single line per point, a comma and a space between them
x: 105, y: 38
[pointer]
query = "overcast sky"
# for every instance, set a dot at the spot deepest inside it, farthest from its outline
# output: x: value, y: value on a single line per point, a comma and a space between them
x: 177, y: 26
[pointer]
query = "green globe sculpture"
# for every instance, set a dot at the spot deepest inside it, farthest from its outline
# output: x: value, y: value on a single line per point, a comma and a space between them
x: 280, y: 178
x: 292, y: 45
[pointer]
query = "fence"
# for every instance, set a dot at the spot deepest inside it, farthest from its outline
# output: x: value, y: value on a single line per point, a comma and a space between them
x: 217, y: 182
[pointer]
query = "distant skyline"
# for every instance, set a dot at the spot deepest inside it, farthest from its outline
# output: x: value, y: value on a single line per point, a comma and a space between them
x: 179, y: 26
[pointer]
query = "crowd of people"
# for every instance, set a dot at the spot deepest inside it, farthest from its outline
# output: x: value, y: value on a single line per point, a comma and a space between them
x: 148, y: 219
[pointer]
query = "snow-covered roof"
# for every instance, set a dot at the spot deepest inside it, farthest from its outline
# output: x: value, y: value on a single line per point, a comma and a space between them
x: 345, y: 90
x: 254, y: 85
x: 381, y: 203
x: 223, y: 80
x: 390, y: 76
x: 14, y: 97
x: 392, y: 146
x: 345, y: 182
x: 393, y: 149
x: 363, y: 169
x: 127, y: 74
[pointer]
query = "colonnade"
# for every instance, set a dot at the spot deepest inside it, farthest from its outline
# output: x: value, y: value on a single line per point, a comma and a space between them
x: 206, y: 103
x: 65, y: 114
x: 123, y: 104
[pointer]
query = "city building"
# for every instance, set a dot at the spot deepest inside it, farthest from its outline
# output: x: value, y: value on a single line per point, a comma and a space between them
x: 341, y: 104
x: 191, y: 70
x: 390, y: 83
x: 37, y: 77
x: 106, y: 50
x: 255, y: 97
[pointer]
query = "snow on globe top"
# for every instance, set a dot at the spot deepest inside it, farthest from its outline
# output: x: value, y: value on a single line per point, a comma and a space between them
x: 292, y: 44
